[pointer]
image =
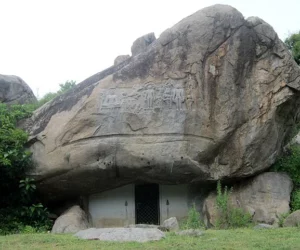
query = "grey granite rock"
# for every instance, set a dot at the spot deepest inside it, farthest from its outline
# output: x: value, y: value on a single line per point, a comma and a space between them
x: 121, y: 234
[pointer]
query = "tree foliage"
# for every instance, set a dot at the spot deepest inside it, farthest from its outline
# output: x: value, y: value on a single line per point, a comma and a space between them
x: 64, y: 87
x: 19, y: 205
x: 293, y: 44
x: 290, y: 163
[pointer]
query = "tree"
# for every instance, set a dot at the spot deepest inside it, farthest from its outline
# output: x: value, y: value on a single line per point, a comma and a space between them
x: 64, y: 87
x: 293, y: 44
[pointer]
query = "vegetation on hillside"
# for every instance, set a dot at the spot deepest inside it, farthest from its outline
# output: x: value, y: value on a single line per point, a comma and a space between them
x: 64, y: 87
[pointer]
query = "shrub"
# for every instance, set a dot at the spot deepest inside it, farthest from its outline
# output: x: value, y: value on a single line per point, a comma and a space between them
x: 193, y: 220
x: 229, y: 216
x: 281, y: 219
x: 290, y: 163
x: 295, y: 200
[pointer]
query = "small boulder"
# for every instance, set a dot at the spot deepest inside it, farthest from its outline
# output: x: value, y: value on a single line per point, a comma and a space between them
x: 71, y: 221
x: 293, y: 220
x: 140, y: 44
x: 121, y: 234
x: 190, y: 232
x: 171, y: 224
x: 120, y: 59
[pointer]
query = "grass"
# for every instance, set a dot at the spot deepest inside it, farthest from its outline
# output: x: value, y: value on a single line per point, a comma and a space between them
x: 280, y: 238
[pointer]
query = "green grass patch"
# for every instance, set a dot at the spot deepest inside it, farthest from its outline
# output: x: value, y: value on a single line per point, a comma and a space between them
x: 280, y: 238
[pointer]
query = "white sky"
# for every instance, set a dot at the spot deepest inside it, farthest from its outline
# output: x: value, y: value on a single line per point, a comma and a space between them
x: 47, y: 42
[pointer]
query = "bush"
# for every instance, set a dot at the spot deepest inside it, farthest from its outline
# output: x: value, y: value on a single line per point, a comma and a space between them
x: 193, y: 220
x: 229, y: 217
x: 295, y: 200
x: 290, y: 163
x: 281, y: 219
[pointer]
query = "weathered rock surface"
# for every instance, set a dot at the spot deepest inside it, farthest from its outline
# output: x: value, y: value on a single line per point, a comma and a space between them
x: 213, y: 97
x: 265, y: 197
x: 71, y: 221
x: 13, y: 90
x: 171, y: 224
x: 121, y: 234
x: 140, y: 45
x: 120, y: 59
x: 293, y: 220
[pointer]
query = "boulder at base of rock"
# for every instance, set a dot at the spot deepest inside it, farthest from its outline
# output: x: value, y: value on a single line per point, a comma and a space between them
x: 13, y: 90
x: 71, y: 221
x: 121, y: 234
x: 190, y: 232
x: 265, y: 197
x: 293, y: 220
x: 171, y: 224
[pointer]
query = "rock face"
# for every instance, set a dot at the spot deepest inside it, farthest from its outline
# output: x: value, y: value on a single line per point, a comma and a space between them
x: 293, y: 220
x: 213, y: 97
x: 265, y: 197
x: 121, y: 234
x: 13, y: 90
x: 71, y: 221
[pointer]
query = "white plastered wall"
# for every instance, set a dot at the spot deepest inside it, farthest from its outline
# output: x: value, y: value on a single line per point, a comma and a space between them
x: 177, y: 198
x: 107, y: 209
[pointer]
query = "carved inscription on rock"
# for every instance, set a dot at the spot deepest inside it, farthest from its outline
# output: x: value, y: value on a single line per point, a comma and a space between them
x: 170, y: 96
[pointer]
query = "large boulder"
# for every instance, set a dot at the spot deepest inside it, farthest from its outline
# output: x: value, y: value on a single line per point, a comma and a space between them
x: 266, y: 197
x: 293, y: 220
x: 214, y: 97
x: 71, y: 221
x: 13, y: 90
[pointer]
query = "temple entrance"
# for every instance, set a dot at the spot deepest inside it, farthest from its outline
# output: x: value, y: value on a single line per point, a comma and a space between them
x: 147, y: 204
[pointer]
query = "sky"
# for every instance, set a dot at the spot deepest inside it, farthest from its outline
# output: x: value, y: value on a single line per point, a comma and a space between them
x: 47, y: 42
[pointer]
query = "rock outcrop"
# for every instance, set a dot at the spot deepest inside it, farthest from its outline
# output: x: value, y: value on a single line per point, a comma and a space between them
x: 13, y: 90
x: 214, y: 97
x: 71, y: 221
x: 266, y: 197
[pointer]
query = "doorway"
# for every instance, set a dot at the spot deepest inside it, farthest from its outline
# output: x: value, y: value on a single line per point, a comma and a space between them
x: 147, y: 204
